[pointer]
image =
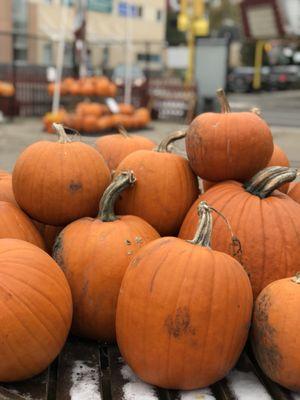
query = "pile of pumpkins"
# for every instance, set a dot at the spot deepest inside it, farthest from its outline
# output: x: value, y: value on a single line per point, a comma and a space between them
x: 91, y: 117
x: 6, y: 89
x: 87, y: 87
x: 138, y: 255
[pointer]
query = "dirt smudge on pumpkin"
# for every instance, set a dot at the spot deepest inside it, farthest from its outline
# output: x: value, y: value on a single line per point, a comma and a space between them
x: 179, y: 324
x: 265, y: 337
x: 75, y: 186
x: 57, y: 253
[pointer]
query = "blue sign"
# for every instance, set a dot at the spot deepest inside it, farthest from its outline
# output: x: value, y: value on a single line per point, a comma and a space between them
x: 103, y: 6
x: 125, y: 10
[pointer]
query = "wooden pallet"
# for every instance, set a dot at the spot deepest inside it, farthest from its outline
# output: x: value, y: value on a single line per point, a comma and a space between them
x: 89, y: 371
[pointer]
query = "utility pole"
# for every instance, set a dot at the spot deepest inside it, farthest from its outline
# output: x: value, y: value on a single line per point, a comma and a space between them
x: 193, y: 21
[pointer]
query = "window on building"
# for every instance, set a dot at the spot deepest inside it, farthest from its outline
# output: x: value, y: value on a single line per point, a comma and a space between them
x: 47, y: 54
x: 140, y: 11
x: 125, y: 9
x: 68, y: 55
x: 69, y: 3
x: 159, y: 15
x: 148, y: 57
x: 20, y: 48
x: 103, y: 6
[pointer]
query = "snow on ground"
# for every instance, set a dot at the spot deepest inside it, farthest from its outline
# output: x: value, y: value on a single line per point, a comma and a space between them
x: 136, y: 389
x: 246, y: 386
x: 200, y: 394
x: 85, y: 382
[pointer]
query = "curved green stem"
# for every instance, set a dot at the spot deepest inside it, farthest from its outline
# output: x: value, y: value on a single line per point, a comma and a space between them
x: 122, y: 181
x: 62, y: 136
x: 163, y: 145
x: 269, y: 179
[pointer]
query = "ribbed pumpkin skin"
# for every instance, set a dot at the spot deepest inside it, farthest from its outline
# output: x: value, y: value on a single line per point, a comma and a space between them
x: 275, y: 332
x: 268, y: 229
x: 228, y: 146
x: 294, y: 191
x: 56, y: 183
x: 6, y: 191
x: 15, y: 224
x: 183, y: 314
x: 164, y: 191
x: 49, y: 233
x: 114, y: 148
x: 35, y: 310
x: 94, y: 256
x: 280, y: 158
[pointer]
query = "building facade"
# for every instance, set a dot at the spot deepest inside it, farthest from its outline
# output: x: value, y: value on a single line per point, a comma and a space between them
x: 116, y: 29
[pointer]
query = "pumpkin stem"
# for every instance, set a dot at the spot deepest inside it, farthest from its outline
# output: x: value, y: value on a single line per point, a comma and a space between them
x: 204, y: 231
x: 269, y: 179
x: 256, y: 111
x: 62, y: 136
x: 122, y: 131
x: 163, y: 145
x: 296, y: 278
x: 112, y: 192
x: 225, y: 107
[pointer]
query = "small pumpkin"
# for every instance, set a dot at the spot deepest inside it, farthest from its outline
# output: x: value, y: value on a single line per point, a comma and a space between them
x: 56, y: 183
x: 114, y: 148
x: 15, y: 224
x: 35, y: 308
x: 89, y: 123
x: 105, y: 122
x: 126, y: 109
x: 53, y: 117
x: 275, y: 332
x: 6, y: 89
x: 266, y: 221
x: 102, y: 86
x: 6, y: 190
x: 229, y: 145
x: 73, y: 121
x: 175, y: 300
x: 95, y: 270
x: 279, y: 158
x: 87, y: 88
x: 142, y: 117
x: 166, y: 187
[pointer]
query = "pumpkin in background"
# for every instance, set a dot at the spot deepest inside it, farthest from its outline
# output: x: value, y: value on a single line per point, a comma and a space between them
x: 105, y: 122
x: 142, y: 117
x: 53, y: 117
x: 114, y: 148
x: 87, y: 88
x: 74, y: 88
x: 15, y: 224
x: 6, y: 190
x: 229, y: 145
x: 35, y: 309
x: 102, y: 86
x: 95, y: 270
x: 294, y: 191
x: 275, y: 332
x: 49, y: 233
x: 127, y: 109
x: 66, y: 180
x: 165, y: 189
x: 279, y: 158
x: 89, y: 123
x: 112, y: 90
x: 266, y: 221
x: 73, y: 121
x: 184, y: 311
x: 6, y: 89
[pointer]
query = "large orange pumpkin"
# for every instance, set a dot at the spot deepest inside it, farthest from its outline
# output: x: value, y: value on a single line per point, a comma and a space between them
x: 184, y: 311
x: 15, y: 224
x: 49, y: 233
x: 35, y: 309
x: 266, y: 221
x: 294, y: 191
x: 95, y: 270
x: 56, y: 183
x: 114, y: 148
x: 6, y: 190
x: 228, y: 145
x: 275, y: 332
x: 165, y: 189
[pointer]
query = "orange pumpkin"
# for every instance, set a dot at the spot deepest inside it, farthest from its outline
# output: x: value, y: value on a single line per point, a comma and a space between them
x: 175, y: 300
x: 105, y: 122
x: 49, y: 233
x: 127, y: 109
x: 87, y: 88
x: 266, y: 221
x: 294, y: 191
x: 114, y: 148
x: 142, y: 117
x: 73, y: 121
x: 165, y: 189
x: 112, y: 90
x: 15, y: 224
x: 102, y: 86
x: 35, y: 308
x: 275, y: 332
x: 6, y: 89
x: 89, y: 123
x: 279, y: 158
x: 74, y: 88
x: 6, y: 190
x: 95, y: 270
x: 53, y: 117
x: 56, y: 183
x: 228, y: 145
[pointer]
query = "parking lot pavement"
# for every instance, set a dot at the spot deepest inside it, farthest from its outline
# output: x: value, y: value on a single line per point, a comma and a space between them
x: 16, y: 135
